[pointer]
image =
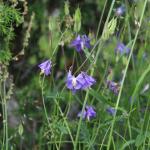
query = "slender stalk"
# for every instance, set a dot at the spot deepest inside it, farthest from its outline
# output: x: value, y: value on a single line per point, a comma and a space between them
x: 104, y: 138
x: 92, y: 72
x: 100, y: 21
x: 3, y: 112
x: 65, y: 121
x: 5, y: 116
x: 124, y: 76
x: 147, y: 127
x: 45, y: 111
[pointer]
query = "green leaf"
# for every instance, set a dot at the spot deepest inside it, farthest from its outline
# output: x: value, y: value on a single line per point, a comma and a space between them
x: 139, y: 140
x: 20, y: 129
x: 63, y: 129
x: 140, y: 81
x: 89, y: 55
x: 127, y: 144
x: 5, y: 56
x: 66, y: 8
x: 109, y: 29
x: 99, y: 97
x: 139, y: 9
x: 77, y: 20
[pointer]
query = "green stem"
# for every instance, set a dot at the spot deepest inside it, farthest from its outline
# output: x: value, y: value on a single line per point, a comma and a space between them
x: 45, y: 111
x: 92, y: 72
x: 3, y: 111
x: 100, y: 21
x: 124, y: 76
x: 5, y: 116
x: 65, y: 121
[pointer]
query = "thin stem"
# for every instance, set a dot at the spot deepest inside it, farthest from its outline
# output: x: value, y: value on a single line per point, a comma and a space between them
x: 5, y: 116
x: 45, y: 111
x: 3, y: 111
x: 124, y: 76
x: 65, y: 121
x: 92, y: 72
x: 100, y: 21
x: 104, y: 138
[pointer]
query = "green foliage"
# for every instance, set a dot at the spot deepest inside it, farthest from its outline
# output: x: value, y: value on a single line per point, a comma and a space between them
x: 8, y: 17
x: 139, y: 140
x: 47, y: 109
x: 77, y: 20
x: 5, y: 56
x: 20, y: 129
x: 109, y: 29
x: 66, y: 8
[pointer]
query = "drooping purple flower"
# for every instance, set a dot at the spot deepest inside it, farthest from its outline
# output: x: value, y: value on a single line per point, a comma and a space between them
x: 122, y: 49
x: 73, y: 83
x: 81, y: 42
x: 46, y: 67
x: 113, y: 86
x: 86, y: 80
x: 120, y: 10
x: 88, y: 113
x: 111, y: 111
x: 81, y: 82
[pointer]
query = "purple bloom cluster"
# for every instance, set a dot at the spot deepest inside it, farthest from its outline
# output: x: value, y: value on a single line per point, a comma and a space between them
x: 113, y: 86
x: 122, y: 49
x: 88, y: 113
x: 81, y: 42
x: 46, y: 67
x: 82, y: 81
x: 111, y: 111
x: 120, y: 10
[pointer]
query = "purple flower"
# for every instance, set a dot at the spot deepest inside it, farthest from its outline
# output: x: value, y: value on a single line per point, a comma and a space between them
x: 82, y: 81
x: 86, y: 80
x: 81, y: 42
x: 46, y: 67
x: 122, y: 49
x: 73, y: 83
x: 88, y: 113
x: 113, y: 86
x: 120, y: 10
x: 111, y: 110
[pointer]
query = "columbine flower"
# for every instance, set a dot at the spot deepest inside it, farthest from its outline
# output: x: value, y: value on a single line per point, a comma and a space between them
x: 82, y: 81
x: 86, y: 80
x: 122, y: 49
x: 88, y: 113
x: 113, y: 86
x: 111, y: 110
x: 73, y: 83
x: 46, y: 67
x: 120, y: 10
x: 81, y: 42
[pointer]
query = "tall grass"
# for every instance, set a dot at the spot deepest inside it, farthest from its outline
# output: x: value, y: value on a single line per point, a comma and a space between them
x: 52, y: 108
